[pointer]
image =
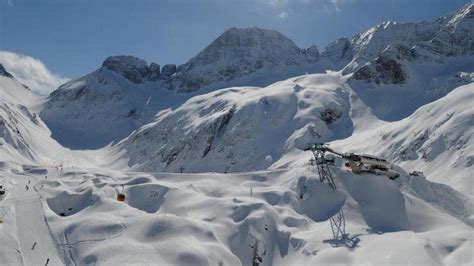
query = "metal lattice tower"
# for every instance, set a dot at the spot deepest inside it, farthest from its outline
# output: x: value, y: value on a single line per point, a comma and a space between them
x: 338, y: 223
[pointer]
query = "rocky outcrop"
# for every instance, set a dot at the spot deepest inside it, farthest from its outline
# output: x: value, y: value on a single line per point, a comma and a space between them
x: 154, y: 72
x: 168, y: 70
x: 132, y: 68
x: 382, y: 70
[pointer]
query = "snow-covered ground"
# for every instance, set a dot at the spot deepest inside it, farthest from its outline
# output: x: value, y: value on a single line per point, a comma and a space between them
x: 209, y: 218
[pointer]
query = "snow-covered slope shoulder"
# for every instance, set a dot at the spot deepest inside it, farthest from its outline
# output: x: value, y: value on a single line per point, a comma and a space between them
x: 437, y: 139
x: 23, y: 136
x: 243, y: 128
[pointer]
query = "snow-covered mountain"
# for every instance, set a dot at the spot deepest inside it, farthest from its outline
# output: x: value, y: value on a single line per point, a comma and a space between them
x: 416, y: 61
x: 102, y: 106
x: 389, y: 63
x: 240, y: 52
x: 126, y: 92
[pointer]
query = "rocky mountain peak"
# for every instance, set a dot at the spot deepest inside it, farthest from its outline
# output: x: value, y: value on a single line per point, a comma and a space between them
x: 246, y: 44
x: 240, y: 52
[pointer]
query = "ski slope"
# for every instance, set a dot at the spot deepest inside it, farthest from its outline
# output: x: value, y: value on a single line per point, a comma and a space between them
x: 177, y: 219
x: 31, y: 234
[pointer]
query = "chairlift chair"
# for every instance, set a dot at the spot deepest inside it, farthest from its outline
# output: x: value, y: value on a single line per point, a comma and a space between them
x: 121, y: 195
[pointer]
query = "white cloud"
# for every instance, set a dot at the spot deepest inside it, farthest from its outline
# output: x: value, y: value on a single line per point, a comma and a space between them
x: 283, y: 15
x: 31, y: 72
x: 10, y: 3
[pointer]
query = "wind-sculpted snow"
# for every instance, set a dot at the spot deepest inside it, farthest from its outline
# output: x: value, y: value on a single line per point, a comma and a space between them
x: 245, y: 128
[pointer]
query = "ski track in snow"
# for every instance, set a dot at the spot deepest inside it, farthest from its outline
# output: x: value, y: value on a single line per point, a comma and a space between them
x: 31, y: 225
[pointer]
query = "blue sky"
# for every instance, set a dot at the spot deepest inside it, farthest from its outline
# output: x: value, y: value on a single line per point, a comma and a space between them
x: 73, y: 37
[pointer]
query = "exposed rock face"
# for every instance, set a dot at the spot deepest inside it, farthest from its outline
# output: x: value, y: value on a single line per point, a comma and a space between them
x: 4, y: 72
x: 338, y: 50
x: 132, y: 68
x: 382, y: 70
x: 154, y: 72
x: 168, y: 70
x: 240, y: 52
